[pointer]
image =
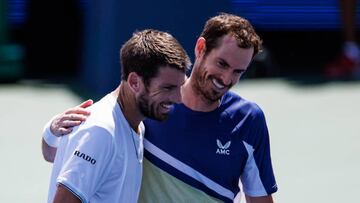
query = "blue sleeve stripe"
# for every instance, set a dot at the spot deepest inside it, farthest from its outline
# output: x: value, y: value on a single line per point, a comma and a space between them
x: 250, y: 178
x: 74, y: 191
x: 157, y: 152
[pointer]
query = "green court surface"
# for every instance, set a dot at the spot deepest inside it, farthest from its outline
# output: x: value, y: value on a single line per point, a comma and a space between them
x: 314, y: 131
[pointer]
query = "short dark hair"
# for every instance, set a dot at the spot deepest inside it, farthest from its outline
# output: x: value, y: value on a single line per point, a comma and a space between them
x: 149, y: 49
x: 223, y: 24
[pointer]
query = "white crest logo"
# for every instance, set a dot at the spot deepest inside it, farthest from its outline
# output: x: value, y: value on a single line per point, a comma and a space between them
x: 223, y: 149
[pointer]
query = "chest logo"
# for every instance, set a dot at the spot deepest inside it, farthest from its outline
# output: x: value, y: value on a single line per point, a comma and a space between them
x: 223, y: 149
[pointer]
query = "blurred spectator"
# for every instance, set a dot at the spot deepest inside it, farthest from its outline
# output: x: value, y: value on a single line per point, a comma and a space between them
x: 347, y: 65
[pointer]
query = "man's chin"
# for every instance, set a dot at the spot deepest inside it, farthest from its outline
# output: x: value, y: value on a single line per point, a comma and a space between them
x: 214, y: 97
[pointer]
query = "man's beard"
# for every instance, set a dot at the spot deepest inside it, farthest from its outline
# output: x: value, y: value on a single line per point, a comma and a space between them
x: 200, y: 85
x: 148, y: 109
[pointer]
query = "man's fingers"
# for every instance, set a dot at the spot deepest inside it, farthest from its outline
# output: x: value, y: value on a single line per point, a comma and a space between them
x: 60, y: 131
x: 86, y: 103
x: 78, y: 110
x: 64, y: 131
x: 73, y: 117
x: 63, y: 123
x: 68, y: 123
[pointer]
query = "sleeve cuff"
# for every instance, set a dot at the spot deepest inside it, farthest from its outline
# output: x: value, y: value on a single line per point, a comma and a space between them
x: 72, y: 189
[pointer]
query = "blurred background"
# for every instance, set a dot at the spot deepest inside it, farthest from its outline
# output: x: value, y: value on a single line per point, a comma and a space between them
x: 54, y: 54
x: 79, y: 40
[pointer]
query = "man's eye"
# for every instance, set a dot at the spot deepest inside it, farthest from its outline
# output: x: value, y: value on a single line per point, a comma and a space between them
x: 221, y: 64
x: 238, y: 72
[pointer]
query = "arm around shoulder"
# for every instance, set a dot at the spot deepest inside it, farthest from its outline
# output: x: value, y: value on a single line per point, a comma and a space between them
x: 48, y: 152
x: 49, y: 143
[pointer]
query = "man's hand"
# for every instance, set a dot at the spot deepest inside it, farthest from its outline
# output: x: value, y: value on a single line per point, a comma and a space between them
x: 63, y: 123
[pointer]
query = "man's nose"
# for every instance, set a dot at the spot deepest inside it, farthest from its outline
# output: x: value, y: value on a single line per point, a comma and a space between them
x: 226, y: 79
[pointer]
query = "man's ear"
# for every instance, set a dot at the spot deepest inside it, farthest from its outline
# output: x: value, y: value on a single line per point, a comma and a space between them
x: 135, y: 82
x: 200, y: 47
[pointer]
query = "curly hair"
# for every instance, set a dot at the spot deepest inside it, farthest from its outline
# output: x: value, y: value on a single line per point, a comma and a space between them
x: 224, y: 24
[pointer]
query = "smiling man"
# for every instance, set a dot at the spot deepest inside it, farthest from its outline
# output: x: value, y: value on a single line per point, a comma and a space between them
x: 101, y: 160
x: 216, y: 139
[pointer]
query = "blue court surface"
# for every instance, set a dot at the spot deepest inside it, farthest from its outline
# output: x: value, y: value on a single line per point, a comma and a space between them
x: 314, y: 131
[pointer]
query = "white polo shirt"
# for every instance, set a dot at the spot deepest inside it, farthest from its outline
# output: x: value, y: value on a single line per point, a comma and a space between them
x: 101, y: 160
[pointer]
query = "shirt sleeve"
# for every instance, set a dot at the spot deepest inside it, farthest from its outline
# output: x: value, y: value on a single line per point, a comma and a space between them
x: 258, y: 176
x: 88, y: 158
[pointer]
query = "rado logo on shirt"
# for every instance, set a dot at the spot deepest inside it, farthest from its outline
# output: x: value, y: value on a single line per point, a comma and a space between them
x: 85, y: 157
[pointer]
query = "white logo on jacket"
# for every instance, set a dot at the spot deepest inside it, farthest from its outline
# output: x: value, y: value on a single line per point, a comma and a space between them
x: 223, y: 149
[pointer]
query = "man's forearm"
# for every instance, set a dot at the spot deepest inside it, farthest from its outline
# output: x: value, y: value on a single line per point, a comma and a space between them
x: 48, y: 152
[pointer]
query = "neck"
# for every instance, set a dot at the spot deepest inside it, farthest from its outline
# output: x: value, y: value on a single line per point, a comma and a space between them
x: 126, y: 100
x: 195, y: 101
